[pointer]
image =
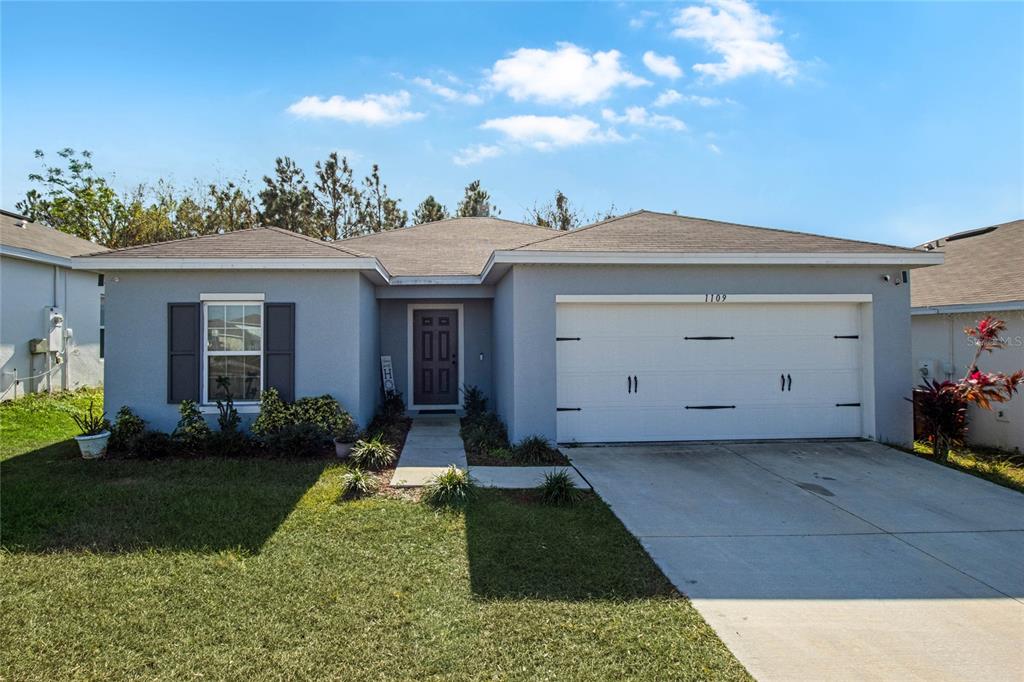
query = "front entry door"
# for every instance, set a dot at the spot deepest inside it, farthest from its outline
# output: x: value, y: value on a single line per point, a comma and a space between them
x: 435, y: 351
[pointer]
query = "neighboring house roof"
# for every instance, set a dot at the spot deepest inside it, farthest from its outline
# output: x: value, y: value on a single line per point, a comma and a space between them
x: 457, y: 250
x: 455, y: 246
x: 982, y: 266
x: 647, y: 231
x: 21, y: 237
x: 257, y: 242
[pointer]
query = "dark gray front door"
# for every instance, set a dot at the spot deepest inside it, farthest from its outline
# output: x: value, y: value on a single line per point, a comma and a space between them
x: 435, y: 357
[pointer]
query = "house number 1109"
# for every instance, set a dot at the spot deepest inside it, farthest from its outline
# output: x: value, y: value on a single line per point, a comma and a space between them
x: 714, y: 298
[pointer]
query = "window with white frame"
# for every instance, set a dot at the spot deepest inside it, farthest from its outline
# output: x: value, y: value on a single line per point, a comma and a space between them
x: 233, y: 350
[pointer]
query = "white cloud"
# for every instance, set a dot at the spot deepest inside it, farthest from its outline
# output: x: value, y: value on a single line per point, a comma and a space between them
x: 714, y: 148
x: 476, y: 153
x: 742, y: 35
x: 672, y: 97
x: 550, y: 132
x: 639, y: 116
x: 640, y: 20
x: 662, y: 66
x: 370, y: 109
x: 568, y: 75
x: 447, y: 93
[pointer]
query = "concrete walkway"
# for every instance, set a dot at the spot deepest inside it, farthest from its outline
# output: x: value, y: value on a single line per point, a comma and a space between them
x: 830, y: 561
x: 434, y: 444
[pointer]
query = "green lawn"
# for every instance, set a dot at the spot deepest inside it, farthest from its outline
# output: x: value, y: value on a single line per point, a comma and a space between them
x: 254, y: 569
x: 1004, y: 468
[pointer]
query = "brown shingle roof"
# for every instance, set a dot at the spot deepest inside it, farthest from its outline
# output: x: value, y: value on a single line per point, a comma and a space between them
x: 17, y: 232
x: 259, y: 242
x: 650, y: 232
x: 456, y: 246
x: 982, y: 266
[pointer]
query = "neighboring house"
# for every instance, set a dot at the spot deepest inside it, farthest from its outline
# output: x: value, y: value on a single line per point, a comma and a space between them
x: 51, y: 331
x: 644, y: 327
x: 983, y: 275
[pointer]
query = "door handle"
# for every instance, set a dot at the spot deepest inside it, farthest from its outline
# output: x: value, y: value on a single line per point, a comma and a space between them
x: 782, y: 378
x: 636, y: 385
x: 629, y: 384
x: 790, y: 378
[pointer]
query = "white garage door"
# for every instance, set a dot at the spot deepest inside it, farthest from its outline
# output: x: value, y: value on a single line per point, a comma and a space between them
x: 662, y: 372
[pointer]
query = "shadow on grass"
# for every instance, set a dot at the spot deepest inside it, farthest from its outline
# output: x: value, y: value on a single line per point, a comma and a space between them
x: 51, y: 500
x: 519, y: 548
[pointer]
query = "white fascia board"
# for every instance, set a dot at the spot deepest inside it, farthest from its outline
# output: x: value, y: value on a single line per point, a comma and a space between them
x: 104, y: 263
x: 733, y: 258
x: 34, y: 256
x: 433, y: 280
x: 703, y: 298
x: 967, y: 308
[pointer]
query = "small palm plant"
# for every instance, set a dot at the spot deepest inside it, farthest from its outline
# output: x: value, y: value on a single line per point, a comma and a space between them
x: 374, y: 454
x: 452, y: 488
x: 357, y: 483
x: 91, y: 423
x: 559, y: 489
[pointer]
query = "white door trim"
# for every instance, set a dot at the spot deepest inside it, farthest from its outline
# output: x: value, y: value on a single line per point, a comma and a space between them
x: 409, y: 354
x: 714, y: 298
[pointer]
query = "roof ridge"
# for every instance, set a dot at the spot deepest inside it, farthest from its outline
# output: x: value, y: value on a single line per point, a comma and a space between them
x: 400, y: 230
x: 561, y: 233
x: 305, y: 237
x: 724, y: 222
x: 196, y: 237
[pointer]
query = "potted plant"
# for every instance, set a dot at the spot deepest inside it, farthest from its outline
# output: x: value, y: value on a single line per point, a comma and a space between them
x: 95, y: 433
x: 344, y: 441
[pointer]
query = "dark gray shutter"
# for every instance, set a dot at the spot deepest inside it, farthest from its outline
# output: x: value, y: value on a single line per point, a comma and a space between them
x: 279, y: 348
x: 183, y: 354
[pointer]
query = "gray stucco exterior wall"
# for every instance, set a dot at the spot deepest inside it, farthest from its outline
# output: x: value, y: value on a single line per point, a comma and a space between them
x: 525, y: 327
x: 369, y: 354
x: 504, y: 349
x: 26, y: 288
x: 334, y: 337
x: 476, y: 344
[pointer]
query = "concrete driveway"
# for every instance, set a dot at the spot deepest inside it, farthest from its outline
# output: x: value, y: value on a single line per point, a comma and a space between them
x: 830, y: 561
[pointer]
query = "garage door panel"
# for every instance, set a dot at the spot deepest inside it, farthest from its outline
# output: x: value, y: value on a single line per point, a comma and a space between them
x: 782, y: 374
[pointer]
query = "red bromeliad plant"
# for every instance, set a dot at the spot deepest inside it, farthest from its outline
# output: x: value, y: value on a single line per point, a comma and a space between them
x: 943, y: 404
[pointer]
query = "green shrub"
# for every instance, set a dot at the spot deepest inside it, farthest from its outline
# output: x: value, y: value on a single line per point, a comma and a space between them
x: 474, y: 402
x: 559, y: 489
x: 372, y: 454
x: 357, y: 483
x: 230, y: 443
x: 503, y: 454
x: 535, y: 450
x: 153, y: 445
x: 127, y: 428
x: 192, y: 432
x: 274, y: 414
x: 452, y: 488
x: 485, y: 433
x: 323, y: 412
x: 297, y: 440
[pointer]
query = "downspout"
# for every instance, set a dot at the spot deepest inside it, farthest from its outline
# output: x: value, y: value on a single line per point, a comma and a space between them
x: 64, y: 372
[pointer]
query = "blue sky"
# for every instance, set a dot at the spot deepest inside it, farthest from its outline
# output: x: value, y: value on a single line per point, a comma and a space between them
x: 888, y: 122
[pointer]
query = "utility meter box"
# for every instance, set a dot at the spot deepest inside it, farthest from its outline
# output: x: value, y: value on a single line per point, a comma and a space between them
x: 39, y: 346
x: 929, y: 369
x: 54, y: 328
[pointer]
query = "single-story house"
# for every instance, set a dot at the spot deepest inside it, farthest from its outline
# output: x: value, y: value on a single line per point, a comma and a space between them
x: 51, y: 324
x: 983, y: 274
x: 644, y: 327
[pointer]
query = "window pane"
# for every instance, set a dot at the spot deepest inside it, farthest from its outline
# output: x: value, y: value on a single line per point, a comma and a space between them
x: 242, y: 374
x: 215, y: 327
x: 253, y: 328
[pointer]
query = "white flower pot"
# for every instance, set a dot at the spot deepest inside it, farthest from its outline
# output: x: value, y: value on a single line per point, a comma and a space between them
x: 342, y: 448
x: 93, y: 447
